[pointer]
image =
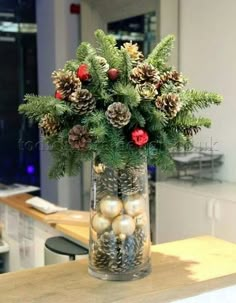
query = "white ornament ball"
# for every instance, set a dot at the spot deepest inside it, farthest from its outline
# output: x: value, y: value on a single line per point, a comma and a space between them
x: 124, y: 225
x: 111, y: 206
x: 134, y: 205
x: 100, y: 223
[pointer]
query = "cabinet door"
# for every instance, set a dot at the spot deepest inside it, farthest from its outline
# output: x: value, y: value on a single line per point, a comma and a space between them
x: 181, y: 214
x: 225, y: 220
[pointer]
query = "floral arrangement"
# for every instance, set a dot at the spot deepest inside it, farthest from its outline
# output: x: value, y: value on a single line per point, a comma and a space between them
x: 113, y: 102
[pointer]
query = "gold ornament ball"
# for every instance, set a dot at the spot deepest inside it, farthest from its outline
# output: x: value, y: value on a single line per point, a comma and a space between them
x: 134, y: 205
x: 122, y: 237
x: 124, y: 225
x: 93, y: 234
x: 111, y: 206
x: 100, y: 223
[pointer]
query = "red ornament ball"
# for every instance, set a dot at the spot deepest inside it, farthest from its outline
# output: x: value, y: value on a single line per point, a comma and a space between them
x: 139, y: 137
x: 113, y: 74
x: 58, y: 95
x: 83, y: 72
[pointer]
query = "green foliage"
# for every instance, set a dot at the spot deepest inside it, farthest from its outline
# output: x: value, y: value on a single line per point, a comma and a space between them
x: 124, y: 66
x: 71, y: 65
x: 107, y: 48
x: 127, y: 94
x: 160, y: 54
x: 83, y: 51
x: 36, y: 107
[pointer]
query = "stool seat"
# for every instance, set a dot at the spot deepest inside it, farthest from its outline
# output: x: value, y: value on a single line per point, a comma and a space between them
x: 63, y: 246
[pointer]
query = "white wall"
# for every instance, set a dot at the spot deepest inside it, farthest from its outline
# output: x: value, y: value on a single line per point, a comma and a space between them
x: 58, y: 37
x: 207, y: 57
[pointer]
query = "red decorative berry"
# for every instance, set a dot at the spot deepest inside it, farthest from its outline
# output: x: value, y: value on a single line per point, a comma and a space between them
x: 113, y: 74
x: 139, y: 137
x: 83, y: 72
x: 58, y: 95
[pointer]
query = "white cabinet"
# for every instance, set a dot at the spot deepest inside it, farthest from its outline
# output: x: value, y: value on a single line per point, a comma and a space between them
x: 185, y: 211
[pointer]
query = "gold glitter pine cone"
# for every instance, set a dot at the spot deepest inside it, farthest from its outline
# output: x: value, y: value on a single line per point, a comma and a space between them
x: 49, y: 125
x: 66, y: 82
x: 147, y: 90
x: 83, y: 101
x: 118, y: 114
x: 133, y: 51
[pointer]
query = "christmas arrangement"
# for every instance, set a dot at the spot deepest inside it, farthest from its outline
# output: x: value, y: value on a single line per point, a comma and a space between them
x: 113, y: 106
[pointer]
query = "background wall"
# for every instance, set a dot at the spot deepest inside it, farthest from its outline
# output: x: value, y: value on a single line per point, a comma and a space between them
x: 207, y: 48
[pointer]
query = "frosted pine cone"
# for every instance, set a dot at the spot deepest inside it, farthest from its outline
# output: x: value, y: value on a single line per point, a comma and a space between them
x: 147, y: 90
x: 133, y: 51
x: 83, y: 101
x: 144, y: 73
x: 103, y: 63
x: 66, y: 82
x: 79, y: 137
x: 169, y: 104
x: 118, y: 114
x: 49, y: 125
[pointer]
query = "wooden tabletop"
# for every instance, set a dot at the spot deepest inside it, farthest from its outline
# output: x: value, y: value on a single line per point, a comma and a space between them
x: 77, y: 230
x: 180, y: 269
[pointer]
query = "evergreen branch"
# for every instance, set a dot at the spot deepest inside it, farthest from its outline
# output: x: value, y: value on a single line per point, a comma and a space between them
x: 127, y: 94
x: 71, y: 65
x: 191, y: 121
x: 193, y: 100
x: 37, y: 106
x: 137, y: 119
x: 124, y: 66
x: 83, y: 51
x: 107, y: 48
x: 160, y: 54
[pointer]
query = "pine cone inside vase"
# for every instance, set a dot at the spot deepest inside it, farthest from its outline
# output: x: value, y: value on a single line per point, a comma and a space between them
x: 83, y: 101
x: 128, y: 183
x: 66, y: 82
x: 49, y: 125
x: 118, y: 114
x: 169, y: 104
x: 79, y: 137
x: 144, y: 73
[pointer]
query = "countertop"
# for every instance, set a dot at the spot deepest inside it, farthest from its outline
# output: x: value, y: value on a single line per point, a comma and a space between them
x: 180, y: 269
x: 78, y: 230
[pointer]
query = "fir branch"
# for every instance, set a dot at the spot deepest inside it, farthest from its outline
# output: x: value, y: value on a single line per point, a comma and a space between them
x: 137, y: 119
x: 191, y: 121
x: 127, y: 94
x: 107, y: 48
x: 71, y: 65
x: 124, y: 66
x: 155, y: 119
x: 36, y: 107
x: 193, y: 100
x: 83, y: 51
x: 160, y: 54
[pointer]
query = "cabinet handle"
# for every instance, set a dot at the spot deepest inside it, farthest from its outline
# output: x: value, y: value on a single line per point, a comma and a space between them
x: 217, y: 210
x: 210, y: 208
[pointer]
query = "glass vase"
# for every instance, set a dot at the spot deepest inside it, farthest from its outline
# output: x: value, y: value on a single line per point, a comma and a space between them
x: 119, y: 223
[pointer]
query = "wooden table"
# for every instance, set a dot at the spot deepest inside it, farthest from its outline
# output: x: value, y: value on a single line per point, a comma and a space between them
x: 180, y: 269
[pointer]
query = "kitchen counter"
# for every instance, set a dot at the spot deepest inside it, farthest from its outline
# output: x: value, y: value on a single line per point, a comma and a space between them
x: 78, y: 230
x: 180, y: 269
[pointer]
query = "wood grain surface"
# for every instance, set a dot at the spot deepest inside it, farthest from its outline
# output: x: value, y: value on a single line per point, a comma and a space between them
x: 180, y: 269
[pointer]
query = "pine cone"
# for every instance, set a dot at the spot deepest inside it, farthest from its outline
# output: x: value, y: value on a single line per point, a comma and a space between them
x: 83, y: 101
x: 103, y: 63
x: 49, y: 125
x: 147, y: 90
x: 118, y: 114
x: 79, y: 137
x: 66, y: 82
x: 190, y: 131
x: 144, y: 73
x: 129, y: 183
x: 133, y: 51
x: 174, y: 77
x: 169, y: 104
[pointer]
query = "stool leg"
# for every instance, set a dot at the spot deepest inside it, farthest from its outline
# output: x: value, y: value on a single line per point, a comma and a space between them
x: 72, y: 257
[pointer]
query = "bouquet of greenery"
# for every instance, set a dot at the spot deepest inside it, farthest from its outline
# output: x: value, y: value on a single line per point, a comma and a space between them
x: 115, y: 103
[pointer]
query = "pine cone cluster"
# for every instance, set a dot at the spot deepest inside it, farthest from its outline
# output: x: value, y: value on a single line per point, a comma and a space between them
x: 118, y: 114
x: 147, y: 90
x: 79, y: 137
x: 144, y: 73
x: 83, y: 101
x: 133, y: 51
x: 49, y: 125
x: 66, y: 82
x: 169, y: 104
x: 173, y: 77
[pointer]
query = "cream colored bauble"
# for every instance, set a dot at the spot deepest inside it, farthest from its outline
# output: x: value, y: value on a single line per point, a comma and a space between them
x: 141, y: 220
x: 100, y: 223
x: 111, y: 206
x: 93, y: 234
x: 124, y: 225
x: 134, y: 205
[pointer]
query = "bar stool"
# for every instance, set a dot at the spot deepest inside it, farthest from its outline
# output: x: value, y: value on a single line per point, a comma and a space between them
x: 60, y: 250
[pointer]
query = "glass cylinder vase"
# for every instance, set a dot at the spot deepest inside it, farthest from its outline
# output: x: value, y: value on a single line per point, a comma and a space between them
x: 119, y: 223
